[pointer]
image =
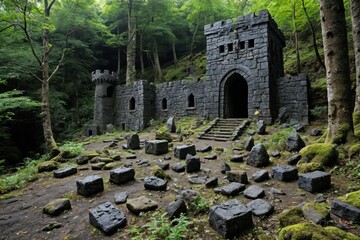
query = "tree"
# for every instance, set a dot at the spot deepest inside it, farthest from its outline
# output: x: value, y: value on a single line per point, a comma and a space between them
x: 333, y: 24
x: 131, y: 45
x: 355, y: 19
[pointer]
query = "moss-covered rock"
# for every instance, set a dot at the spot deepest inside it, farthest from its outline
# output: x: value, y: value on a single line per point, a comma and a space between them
x: 57, y: 206
x: 352, y: 198
x: 354, y: 149
x: 163, y: 135
x: 356, y: 120
x: 290, y: 217
x: 160, y: 173
x: 310, y: 231
x: 47, y: 166
x: 317, y: 156
x: 318, y: 213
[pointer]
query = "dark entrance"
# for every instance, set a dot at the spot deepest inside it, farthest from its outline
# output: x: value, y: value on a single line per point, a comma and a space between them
x: 236, y: 97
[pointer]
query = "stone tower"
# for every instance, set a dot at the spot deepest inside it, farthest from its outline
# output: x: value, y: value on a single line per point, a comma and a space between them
x: 244, y: 61
x: 104, y: 98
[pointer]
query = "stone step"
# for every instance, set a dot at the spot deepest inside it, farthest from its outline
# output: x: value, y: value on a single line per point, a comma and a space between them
x: 218, y: 135
x: 224, y: 129
x: 215, y: 139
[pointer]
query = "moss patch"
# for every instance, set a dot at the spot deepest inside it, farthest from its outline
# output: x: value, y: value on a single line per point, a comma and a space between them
x: 356, y: 120
x: 290, y: 217
x: 307, y: 231
x: 354, y: 149
x: 316, y: 156
x: 163, y: 135
x: 352, y: 198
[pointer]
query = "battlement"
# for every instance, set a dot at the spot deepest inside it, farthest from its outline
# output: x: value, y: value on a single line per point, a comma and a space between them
x: 100, y: 77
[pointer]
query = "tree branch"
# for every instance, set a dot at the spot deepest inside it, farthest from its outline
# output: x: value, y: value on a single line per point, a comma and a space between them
x: 1, y: 30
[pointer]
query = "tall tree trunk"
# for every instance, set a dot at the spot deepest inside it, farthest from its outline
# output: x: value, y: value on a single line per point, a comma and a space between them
x: 355, y: 18
x: 194, y: 35
x: 131, y: 48
x: 141, y: 55
x: 118, y: 54
x: 296, y: 37
x: 333, y: 24
x: 313, y: 33
x: 174, y: 52
x: 157, y: 62
x: 45, y: 90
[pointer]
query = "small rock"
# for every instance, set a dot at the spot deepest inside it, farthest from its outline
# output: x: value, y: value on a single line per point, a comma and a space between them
x: 260, y: 176
x: 133, y: 141
x: 294, y: 142
x: 318, y: 213
x: 167, y: 158
x: 300, y: 128
x: 176, y: 208
x: 225, y: 167
x: 122, y: 175
x: 143, y: 162
x: 51, y: 226
x: 141, y: 204
x: 57, y: 206
x: 90, y: 185
x: 260, y: 207
x: 237, y: 176
x: 293, y: 160
x: 232, y: 189
x: 276, y: 191
x: 315, y: 132
x: 163, y: 165
x: 157, y: 147
x: 249, y: 144
x: 211, y: 157
x: 261, y: 127
x: 160, y: 173
x: 47, y: 166
x: 275, y: 154
x: 82, y: 159
x: 170, y: 124
x: 182, y: 151
x: 65, y: 172
x: 154, y: 183
x: 188, y: 195
x: 205, y: 149
x: 111, y: 165
x: 131, y: 157
x: 121, y: 197
x: 193, y: 163
x: 198, y: 180
x: 212, y: 182
x: 316, y: 181
x: 285, y: 173
x: 178, y: 167
x: 258, y: 156
x: 254, y: 192
x: 237, y: 158
x: 98, y: 166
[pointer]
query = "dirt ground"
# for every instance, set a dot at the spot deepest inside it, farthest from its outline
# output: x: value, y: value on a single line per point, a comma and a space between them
x: 21, y: 216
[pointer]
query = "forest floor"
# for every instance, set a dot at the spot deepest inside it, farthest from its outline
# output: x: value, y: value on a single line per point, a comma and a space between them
x: 21, y: 215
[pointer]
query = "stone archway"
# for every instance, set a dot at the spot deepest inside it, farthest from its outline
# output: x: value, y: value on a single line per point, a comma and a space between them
x: 235, y: 101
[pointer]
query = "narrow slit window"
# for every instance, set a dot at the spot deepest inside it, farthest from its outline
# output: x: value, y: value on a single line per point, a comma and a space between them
x: 222, y: 49
x: 132, y: 104
x: 251, y: 43
x: 191, y: 101
x: 109, y: 91
x: 164, y: 104
x: 242, y: 45
x: 230, y: 47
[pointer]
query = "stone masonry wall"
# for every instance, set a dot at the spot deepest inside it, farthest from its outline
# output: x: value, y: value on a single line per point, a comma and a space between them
x: 293, y: 98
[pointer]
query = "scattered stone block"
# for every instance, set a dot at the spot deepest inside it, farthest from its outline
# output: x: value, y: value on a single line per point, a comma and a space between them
x: 112, y: 165
x: 65, y: 172
x: 258, y: 156
x: 193, y: 163
x: 176, y: 208
x: 260, y: 207
x: 275, y: 154
x: 300, y: 128
x: 105, y: 159
x: 141, y: 204
x: 249, y: 144
x: 160, y: 173
x: 225, y: 168
x: 237, y: 176
x: 133, y: 141
x: 237, y: 158
x: 97, y: 166
x: 154, y: 183
x: 90, y: 185
x: 170, y: 124
x: 212, y: 182
x: 316, y: 181
x: 276, y: 191
x: 229, y: 219
x: 182, y: 151
x: 51, y: 226
x: 122, y: 175
x: 318, y: 213
x: 294, y: 142
x: 285, y: 173
x: 261, y: 127
x: 156, y: 147
x: 232, y: 189
x: 211, y: 157
x: 345, y: 210
x: 293, y: 160
x: 107, y: 218
x: 178, y: 167
x: 82, y: 159
x: 121, y: 197
x: 143, y: 162
x: 163, y: 165
x: 133, y: 156
x: 260, y: 176
x: 198, y: 179
x: 57, y: 206
x: 205, y: 149
x: 254, y: 192
x: 47, y: 166
x: 188, y: 195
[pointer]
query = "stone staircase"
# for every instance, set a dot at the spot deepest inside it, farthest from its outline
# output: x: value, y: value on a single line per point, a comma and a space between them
x: 227, y: 129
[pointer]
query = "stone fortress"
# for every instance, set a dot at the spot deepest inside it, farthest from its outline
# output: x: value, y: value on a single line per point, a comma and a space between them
x: 244, y: 74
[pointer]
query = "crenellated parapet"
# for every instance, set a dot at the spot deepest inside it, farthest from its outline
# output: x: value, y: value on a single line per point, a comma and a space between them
x: 99, y: 77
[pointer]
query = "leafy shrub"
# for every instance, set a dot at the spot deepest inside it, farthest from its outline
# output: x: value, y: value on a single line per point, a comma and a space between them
x: 199, y: 205
x: 278, y: 139
x: 72, y: 148
x: 319, y: 112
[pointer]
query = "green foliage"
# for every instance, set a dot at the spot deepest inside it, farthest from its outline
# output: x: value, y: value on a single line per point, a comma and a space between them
x: 72, y: 148
x: 278, y: 139
x: 352, y: 198
x: 199, y: 205
x: 319, y: 112
x: 23, y: 175
x: 160, y: 227
x: 351, y: 169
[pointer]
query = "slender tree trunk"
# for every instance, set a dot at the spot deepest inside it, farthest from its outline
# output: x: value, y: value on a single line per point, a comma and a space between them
x: 131, y: 48
x: 355, y: 18
x: 141, y: 55
x: 157, y: 62
x: 194, y: 35
x: 118, y: 54
x: 45, y: 90
x: 296, y: 37
x: 313, y: 33
x: 333, y: 24
x: 174, y: 52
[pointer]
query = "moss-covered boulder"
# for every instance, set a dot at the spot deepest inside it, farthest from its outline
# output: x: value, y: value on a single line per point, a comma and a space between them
x: 162, y: 134
x: 352, y: 198
x: 316, y: 157
x: 354, y: 149
x: 318, y: 213
x: 160, y: 173
x: 47, y: 166
x: 57, y: 206
x: 310, y: 231
x: 290, y: 217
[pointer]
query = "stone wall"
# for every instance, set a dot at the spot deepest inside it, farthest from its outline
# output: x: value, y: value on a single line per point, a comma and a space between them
x: 293, y: 99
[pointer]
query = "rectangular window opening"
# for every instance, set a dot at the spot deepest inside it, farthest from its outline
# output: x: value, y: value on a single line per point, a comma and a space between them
x: 222, y: 49
x: 230, y: 47
x: 251, y: 43
x: 242, y: 45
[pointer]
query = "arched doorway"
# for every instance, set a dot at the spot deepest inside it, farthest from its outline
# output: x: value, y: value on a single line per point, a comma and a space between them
x: 235, y: 97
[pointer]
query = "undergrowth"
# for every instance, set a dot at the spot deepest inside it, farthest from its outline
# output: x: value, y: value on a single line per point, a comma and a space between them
x: 72, y: 148
x: 277, y: 140
x: 351, y: 169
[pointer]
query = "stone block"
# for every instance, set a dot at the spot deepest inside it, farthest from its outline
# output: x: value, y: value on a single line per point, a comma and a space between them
x: 107, y: 218
x: 193, y: 163
x: 260, y: 207
x: 345, y: 210
x: 229, y: 219
x: 122, y: 175
x: 183, y: 150
x: 90, y: 185
x: 133, y: 142
x: 316, y: 181
x: 258, y: 156
x: 154, y: 183
x: 156, y: 147
x: 176, y: 208
x: 237, y: 176
x: 285, y: 173
x: 57, y: 206
x: 65, y: 172
x: 254, y: 192
x: 260, y: 176
x: 141, y: 204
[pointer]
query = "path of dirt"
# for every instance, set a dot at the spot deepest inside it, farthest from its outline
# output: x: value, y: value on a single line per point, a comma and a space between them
x: 21, y: 217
